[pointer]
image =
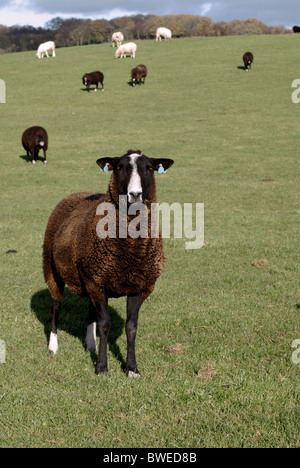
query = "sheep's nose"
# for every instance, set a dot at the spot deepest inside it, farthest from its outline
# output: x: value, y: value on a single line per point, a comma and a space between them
x: 135, y: 197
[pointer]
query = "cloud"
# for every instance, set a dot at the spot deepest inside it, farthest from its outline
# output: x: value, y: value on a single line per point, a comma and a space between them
x: 206, y: 7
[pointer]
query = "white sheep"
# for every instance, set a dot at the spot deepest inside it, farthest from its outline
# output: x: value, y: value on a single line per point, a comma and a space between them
x: 44, y: 48
x: 129, y: 48
x: 117, y: 38
x: 163, y: 32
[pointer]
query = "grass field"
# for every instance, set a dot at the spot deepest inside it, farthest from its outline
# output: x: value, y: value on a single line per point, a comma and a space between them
x: 214, y: 344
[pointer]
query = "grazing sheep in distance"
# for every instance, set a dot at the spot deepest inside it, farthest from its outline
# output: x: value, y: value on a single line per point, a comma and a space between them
x: 44, y: 48
x: 117, y: 38
x: 129, y: 48
x: 248, y: 60
x: 296, y: 29
x: 34, y: 139
x: 163, y: 32
x: 93, y: 78
x: 138, y: 74
x: 108, y: 265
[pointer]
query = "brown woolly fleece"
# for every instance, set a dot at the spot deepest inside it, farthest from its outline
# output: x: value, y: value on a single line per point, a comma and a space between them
x: 34, y: 139
x: 74, y: 254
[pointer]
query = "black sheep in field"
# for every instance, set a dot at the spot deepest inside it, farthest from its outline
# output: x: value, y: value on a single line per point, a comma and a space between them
x: 93, y: 78
x: 296, y: 29
x: 138, y: 74
x: 34, y: 139
x: 248, y: 60
x: 103, y: 266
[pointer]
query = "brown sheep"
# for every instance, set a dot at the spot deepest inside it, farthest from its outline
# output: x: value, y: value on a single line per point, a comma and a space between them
x: 138, y: 74
x: 248, y: 60
x: 93, y: 78
x: 103, y: 266
x: 34, y: 139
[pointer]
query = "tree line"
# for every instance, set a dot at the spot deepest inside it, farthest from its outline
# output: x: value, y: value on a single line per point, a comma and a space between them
x: 78, y: 32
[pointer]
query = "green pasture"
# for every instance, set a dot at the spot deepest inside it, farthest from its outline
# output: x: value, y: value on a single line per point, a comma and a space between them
x: 214, y: 345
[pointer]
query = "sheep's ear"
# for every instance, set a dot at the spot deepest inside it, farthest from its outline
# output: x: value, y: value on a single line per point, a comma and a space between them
x: 107, y: 164
x: 161, y: 165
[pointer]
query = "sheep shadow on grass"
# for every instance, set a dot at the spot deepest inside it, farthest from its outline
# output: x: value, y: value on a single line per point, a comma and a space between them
x: 73, y: 320
x: 24, y: 157
x: 92, y: 90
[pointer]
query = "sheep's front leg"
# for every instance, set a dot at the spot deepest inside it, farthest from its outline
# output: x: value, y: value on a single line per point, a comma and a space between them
x: 103, y: 318
x: 133, y: 306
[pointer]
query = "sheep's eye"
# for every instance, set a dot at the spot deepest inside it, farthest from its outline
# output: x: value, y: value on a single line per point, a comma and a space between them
x: 118, y: 168
x: 150, y: 168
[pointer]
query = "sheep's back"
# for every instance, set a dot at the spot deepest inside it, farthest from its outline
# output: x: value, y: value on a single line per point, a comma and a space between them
x: 29, y: 137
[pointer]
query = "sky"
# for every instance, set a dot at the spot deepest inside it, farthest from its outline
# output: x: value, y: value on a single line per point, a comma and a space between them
x: 38, y: 12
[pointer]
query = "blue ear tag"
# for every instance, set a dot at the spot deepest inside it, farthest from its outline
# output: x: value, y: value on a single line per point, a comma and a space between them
x: 105, y: 168
x: 161, y: 169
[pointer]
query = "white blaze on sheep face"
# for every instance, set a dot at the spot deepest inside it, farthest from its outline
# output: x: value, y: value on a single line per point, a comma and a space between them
x: 134, y: 190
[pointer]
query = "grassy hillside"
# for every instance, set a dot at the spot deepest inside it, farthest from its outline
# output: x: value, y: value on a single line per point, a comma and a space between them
x: 214, y: 339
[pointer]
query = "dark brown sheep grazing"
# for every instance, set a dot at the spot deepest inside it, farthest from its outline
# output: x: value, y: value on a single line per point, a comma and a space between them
x: 138, y: 74
x: 93, y: 78
x: 34, y: 139
x: 87, y: 248
x: 248, y: 60
x: 296, y: 29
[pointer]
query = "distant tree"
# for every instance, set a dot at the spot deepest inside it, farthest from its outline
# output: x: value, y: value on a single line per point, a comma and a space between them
x: 55, y: 23
x: 221, y: 28
x: 74, y: 31
x: 4, y: 39
x: 280, y: 29
x: 139, y: 29
x: 205, y: 27
x: 82, y: 33
x: 63, y: 36
x: 126, y: 25
x: 100, y: 31
x: 253, y: 26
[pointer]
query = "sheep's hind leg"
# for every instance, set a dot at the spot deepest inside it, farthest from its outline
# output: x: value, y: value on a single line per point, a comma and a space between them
x: 55, y: 309
x: 56, y: 290
x: 133, y: 306
x: 90, y: 339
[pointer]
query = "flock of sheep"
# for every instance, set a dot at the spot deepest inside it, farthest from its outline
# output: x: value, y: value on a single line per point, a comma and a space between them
x: 35, y: 138
x: 103, y: 266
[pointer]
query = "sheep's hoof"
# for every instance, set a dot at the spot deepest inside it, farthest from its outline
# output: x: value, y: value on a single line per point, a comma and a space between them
x: 95, y: 90
x: 45, y: 162
x: 90, y: 347
x: 33, y: 162
x: 53, y: 346
x: 101, y: 369
x: 133, y: 375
